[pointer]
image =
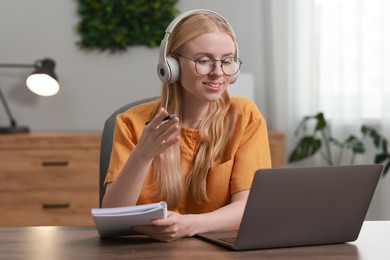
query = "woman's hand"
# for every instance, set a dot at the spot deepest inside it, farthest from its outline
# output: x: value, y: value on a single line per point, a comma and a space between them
x: 172, y: 228
x: 158, y: 135
x: 177, y: 225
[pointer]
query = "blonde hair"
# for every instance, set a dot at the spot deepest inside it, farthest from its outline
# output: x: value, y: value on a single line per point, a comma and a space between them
x: 169, y: 181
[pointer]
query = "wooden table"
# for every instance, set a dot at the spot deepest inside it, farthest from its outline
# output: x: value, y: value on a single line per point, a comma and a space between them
x: 84, y: 243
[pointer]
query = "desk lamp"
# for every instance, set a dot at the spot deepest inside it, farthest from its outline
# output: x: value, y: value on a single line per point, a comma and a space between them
x: 42, y: 82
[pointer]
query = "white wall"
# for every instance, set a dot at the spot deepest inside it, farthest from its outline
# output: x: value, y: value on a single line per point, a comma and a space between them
x: 94, y: 84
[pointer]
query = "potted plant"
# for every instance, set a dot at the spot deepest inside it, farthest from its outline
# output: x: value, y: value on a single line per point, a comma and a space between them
x: 332, y: 150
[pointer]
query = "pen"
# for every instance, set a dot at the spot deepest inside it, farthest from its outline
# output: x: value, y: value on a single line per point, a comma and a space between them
x: 165, y: 118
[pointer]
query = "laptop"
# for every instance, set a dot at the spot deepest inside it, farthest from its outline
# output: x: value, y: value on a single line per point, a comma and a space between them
x: 303, y: 206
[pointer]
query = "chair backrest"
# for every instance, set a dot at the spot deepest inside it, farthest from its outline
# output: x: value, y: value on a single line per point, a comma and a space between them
x: 106, y: 143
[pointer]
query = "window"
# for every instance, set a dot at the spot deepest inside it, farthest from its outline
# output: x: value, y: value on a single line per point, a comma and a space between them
x: 353, y: 58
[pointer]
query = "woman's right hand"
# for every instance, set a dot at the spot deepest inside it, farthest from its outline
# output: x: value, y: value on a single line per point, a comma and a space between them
x: 158, y: 135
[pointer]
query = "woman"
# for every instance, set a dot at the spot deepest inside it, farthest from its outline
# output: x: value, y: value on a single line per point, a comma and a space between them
x: 202, y: 161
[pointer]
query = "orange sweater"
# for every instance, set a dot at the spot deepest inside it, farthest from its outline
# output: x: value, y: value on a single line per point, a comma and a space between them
x: 247, y: 152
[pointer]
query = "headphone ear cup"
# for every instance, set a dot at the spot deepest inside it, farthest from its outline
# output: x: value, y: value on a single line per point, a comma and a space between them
x: 174, y: 69
x: 163, y: 71
x: 234, y: 78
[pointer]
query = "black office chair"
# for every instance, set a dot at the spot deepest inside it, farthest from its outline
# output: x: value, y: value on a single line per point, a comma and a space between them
x: 106, y: 144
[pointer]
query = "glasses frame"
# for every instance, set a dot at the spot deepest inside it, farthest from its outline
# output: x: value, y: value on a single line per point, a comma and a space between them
x: 213, y: 64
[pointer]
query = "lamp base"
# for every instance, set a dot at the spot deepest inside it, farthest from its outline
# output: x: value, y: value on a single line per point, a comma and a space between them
x: 14, y: 130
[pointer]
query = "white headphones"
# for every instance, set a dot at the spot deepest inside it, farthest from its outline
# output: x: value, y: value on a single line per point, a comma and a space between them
x: 168, y: 68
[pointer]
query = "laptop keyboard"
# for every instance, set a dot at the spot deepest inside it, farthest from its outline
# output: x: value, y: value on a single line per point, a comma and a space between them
x: 228, y: 240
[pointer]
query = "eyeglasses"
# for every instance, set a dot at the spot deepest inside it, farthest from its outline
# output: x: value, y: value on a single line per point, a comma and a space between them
x: 204, y: 65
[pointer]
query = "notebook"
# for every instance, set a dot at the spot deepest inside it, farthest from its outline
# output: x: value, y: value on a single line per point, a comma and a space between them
x: 303, y: 206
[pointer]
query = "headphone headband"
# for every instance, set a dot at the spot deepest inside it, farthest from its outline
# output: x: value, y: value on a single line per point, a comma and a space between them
x: 180, y: 17
x: 168, y: 68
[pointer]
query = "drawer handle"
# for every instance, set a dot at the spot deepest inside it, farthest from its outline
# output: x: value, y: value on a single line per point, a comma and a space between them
x: 58, y: 163
x: 55, y: 206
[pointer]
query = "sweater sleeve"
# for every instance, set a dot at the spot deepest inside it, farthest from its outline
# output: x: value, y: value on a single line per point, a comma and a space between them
x: 123, y: 144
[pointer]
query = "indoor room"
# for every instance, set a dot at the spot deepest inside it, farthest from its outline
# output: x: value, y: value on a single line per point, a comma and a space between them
x: 316, y: 73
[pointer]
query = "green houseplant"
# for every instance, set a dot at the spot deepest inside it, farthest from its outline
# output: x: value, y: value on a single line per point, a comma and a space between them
x: 333, y: 151
x: 114, y: 25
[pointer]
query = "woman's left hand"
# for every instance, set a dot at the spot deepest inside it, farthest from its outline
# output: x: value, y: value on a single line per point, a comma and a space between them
x: 175, y: 226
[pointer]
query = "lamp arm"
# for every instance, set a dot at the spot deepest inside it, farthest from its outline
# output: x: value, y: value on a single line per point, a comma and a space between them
x: 8, y: 65
x: 7, y: 110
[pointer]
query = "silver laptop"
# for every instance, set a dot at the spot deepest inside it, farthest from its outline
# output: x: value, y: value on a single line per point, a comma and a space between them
x: 303, y: 206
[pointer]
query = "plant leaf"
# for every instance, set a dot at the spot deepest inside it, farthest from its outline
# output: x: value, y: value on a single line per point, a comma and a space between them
x: 380, y: 158
x: 355, y: 145
x: 321, y: 122
x: 387, y: 167
x: 384, y: 146
x: 336, y: 142
x: 375, y: 136
x: 306, y: 147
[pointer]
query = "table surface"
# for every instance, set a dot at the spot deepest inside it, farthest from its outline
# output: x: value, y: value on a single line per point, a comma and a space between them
x: 84, y: 243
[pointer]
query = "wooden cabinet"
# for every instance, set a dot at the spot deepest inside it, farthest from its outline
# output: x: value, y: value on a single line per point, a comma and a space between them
x: 48, y: 178
x: 277, y: 149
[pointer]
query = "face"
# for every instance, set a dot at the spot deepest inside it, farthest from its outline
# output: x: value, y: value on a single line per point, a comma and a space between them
x: 205, y: 88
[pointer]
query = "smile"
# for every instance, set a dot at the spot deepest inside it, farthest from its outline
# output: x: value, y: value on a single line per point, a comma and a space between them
x: 213, y: 85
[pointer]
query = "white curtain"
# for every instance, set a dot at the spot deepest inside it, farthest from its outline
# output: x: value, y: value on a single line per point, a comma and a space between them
x: 338, y: 62
x: 351, y: 66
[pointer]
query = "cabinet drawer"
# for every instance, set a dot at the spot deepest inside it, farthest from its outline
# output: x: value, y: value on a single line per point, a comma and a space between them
x: 74, y: 169
x: 47, y: 208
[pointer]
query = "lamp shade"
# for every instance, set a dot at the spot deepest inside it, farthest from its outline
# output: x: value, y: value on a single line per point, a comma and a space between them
x: 43, y: 80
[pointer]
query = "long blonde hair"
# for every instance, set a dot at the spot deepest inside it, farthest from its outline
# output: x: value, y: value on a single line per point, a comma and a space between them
x: 169, y: 181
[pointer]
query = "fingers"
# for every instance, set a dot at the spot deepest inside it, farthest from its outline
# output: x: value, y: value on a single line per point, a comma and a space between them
x: 158, y: 233
x: 158, y: 136
x: 163, y: 133
x: 170, y: 220
x: 166, y: 230
x: 161, y: 116
x: 168, y: 129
